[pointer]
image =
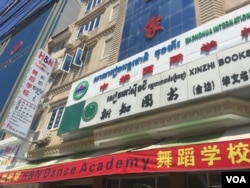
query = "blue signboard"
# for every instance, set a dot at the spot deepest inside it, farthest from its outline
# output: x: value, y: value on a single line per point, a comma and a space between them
x: 15, y: 58
x: 161, y: 20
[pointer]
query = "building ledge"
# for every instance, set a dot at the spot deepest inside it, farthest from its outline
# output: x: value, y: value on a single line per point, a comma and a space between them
x: 189, y: 120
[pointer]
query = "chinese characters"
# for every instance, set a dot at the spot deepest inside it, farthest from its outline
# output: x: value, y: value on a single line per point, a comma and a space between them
x: 153, y: 25
x: 208, y: 155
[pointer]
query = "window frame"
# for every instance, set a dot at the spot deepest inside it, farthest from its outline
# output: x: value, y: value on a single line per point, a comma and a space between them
x: 55, y: 118
x: 207, y: 175
x: 104, y: 54
x: 116, y: 11
x: 92, y: 4
x: 139, y: 176
x: 88, y: 55
x: 89, y: 26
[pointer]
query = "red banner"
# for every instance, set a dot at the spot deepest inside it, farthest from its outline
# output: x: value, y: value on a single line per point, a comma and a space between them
x: 209, y: 156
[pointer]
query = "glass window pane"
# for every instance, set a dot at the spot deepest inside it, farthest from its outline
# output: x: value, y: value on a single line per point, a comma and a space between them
x: 112, y: 183
x: 92, y: 4
x: 215, y: 180
x: 84, y: 54
x: 67, y: 62
x: 89, y: 5
x: 197, y: 181
x: 87, y: 26
x: 97, y: 21
x: 138, y: 182
x: 52, y: 118
x: 81, y: 29
x: 77, y: 58
x: 115, y: 12
x: 96, y: 3
x: 88, y: 55
x: 162, y: 181
x: 107, y: 47
x: 58, y: 117
x: 91, y: 27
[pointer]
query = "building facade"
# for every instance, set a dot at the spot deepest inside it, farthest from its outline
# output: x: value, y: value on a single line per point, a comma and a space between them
x: 25, y: 28
x: 145, y: 93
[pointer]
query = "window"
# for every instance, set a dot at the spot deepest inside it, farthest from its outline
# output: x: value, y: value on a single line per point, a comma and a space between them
x: 66, y: 64
x: 55, y: 118
x: 84, y: 54
x: 107, y: 48
x: 92, y: 3
x: 57, y: 79
x: 89, y: 26
x: 114, y: 13
x: 204, y: 180
x: 88, y: 55
x: 159, y: 181
x: 148, y: 182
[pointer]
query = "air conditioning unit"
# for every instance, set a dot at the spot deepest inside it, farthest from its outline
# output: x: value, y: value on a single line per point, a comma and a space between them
x: 40, y: 139
x: 83, y: 36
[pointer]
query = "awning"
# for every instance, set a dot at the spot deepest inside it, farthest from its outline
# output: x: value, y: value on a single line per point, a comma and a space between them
x: 228, y: 151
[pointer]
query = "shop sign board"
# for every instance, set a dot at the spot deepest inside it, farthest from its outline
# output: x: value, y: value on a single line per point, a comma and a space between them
x: 201, y: 78
x: 234, y: 67
x: 21, y: 114
x: 173, y: 86
x: 189, y: 66
x: 226, y: 31
x: 8, y: 154
x: 225, y: 155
